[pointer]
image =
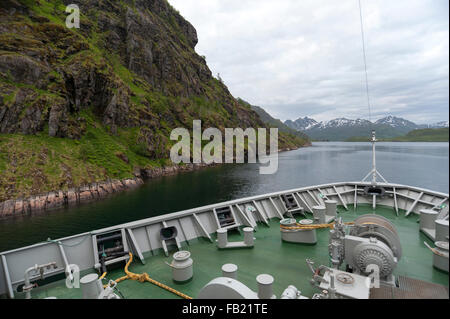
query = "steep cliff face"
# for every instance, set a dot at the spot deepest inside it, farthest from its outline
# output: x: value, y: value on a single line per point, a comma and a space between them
x: 123, y: 53
x: 83, y: 105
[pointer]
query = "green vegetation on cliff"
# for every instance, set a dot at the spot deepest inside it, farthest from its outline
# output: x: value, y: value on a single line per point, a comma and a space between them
x: 289, y: 138
x: 83, y: 105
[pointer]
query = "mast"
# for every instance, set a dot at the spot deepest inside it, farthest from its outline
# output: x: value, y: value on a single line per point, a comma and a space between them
x: 374, y: 172
x: 374, y: 163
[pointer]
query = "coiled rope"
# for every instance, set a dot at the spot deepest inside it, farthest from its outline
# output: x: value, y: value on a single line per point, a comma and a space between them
x: 144, y: 277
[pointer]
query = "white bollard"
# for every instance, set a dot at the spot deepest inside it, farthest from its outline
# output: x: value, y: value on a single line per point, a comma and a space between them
x: 91, y: 286
x: 427, y: 218
x: 441, y: 230
x: 331, y: 208
x: 248, y: 236
x: 440, y: 260
x: 229, y: 271
x: 222, y: 238
x: 319, y: 214
x: 182, y: 266
x: 265, y: 286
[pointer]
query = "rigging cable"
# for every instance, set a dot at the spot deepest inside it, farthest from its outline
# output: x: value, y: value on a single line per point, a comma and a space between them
x: 365, y: 63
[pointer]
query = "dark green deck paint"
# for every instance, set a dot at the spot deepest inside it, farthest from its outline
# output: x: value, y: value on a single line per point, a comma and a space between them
x: 284, y: 261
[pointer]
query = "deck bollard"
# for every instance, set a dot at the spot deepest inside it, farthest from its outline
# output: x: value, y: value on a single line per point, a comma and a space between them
x: 441, y: 256
x: 265, y: 283
x: 182, y: 266
x: 427, y: 218
x: 229, y: 271
x: 319, y: 214
x: 441, y: 230
x: 331, y: 208
x: 222, y: 238
x: 248, y: 236
x: 91, y: 286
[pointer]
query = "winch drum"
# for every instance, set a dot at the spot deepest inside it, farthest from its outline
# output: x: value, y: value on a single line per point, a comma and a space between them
x: 378, y: 227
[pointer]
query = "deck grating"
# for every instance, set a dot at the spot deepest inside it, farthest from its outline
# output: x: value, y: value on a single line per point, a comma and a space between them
x: 410, y: 288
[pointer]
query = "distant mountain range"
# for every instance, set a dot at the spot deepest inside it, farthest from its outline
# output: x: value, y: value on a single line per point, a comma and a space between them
x: 342, y: 129
x: 438, y: 125
x: 302, y: 124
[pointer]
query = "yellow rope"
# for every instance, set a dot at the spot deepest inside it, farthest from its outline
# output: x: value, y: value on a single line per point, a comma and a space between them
x: 435, y: 251
x: 145, y: 277
x: 311, y: 226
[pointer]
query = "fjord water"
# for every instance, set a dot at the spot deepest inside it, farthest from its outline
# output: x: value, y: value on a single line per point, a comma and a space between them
x: 423, y: 165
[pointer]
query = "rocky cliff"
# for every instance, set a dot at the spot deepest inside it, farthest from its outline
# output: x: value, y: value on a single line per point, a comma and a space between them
x: 79, y: 106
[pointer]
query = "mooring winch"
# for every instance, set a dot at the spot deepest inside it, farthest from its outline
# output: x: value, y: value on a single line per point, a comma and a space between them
x: 372, y: 244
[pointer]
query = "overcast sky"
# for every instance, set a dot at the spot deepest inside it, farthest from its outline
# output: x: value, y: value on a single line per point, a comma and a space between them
x: 300, y: 58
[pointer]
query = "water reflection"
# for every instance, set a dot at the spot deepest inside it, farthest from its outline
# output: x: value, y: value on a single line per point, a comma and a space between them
x: 419, y: 164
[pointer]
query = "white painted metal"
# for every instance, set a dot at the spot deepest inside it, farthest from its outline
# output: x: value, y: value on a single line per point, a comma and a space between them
x: 198, y: 222
x: 137, y: 250
x: 265, y: 290
x: 359, y: 289
x: 91, y: 286
x: 304, y: 201
x: 340, y: 198
x: 260, y: 212
x: 441, y: 230
x: 414, y: 204
x: 374, y: 171
x: 303, y: 236
x: 226, y: 288
x: 244, y: 216
x: 7, y: 277
x: 248, y: 236
x: 229, y: 271
x: 395, y: 201
x: 313, y: 197
x: 276, y: 208
x: 319, y: 214
x: 202, y: 228
x: 182, y: 266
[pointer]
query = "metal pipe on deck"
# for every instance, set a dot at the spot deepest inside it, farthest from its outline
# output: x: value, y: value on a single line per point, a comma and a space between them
x: 28, y: 286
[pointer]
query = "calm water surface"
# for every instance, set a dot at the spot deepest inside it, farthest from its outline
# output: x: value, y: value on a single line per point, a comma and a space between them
x: 418, y: 164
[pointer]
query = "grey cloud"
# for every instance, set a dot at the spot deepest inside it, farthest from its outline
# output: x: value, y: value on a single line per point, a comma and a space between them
x: 298, y: 58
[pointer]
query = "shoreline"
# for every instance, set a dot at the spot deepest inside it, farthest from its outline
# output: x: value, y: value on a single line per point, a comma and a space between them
x: 87, y: 193
x: 58, y: 199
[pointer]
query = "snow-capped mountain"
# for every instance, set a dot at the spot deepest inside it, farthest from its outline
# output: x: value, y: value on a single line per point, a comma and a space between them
x: 341, y: 122
x: 301, y: 124
x: 342, y: 128
x: 398, y: 122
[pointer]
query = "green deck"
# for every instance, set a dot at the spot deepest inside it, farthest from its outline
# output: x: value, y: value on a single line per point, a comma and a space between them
x: 284, y: 261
